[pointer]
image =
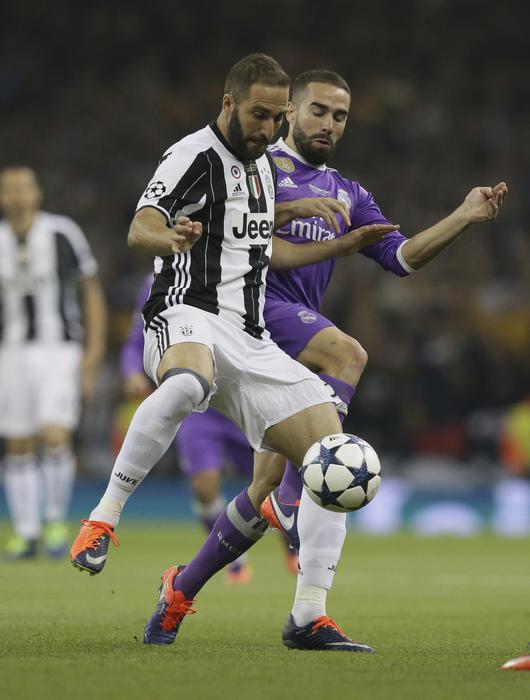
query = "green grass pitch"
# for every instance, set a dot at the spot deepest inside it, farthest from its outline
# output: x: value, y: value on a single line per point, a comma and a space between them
x: 443, y: 615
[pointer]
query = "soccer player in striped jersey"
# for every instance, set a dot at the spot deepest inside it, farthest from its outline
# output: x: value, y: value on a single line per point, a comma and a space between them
x: 207, y: 444
x: 50, y: 351
x: 208, y: 216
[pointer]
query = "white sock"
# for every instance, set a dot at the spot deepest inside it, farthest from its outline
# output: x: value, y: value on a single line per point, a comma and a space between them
x: 151, y: 432
x: 322, y: 534
x: 58, y: 466
x: 22, y: 485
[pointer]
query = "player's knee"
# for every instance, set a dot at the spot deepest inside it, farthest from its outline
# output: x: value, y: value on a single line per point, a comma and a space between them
x: 205, y: 487
x: 182, y: 391
x: 357, y: 355
x: 346, y: 359
x: 20, y: 446
x: 55, y: 437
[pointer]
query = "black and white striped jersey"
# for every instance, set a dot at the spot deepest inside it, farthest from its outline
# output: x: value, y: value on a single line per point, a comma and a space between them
x: 224, y: 273
x: 38, y: 280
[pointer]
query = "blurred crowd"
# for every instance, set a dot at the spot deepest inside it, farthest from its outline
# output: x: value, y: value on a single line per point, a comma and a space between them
x: 90, y: 97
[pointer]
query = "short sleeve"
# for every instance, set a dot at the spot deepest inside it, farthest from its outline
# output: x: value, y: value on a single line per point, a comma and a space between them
x: 83, y: 258
x: 178, y: 183
x: 386, y: 253
x: 365, y: 210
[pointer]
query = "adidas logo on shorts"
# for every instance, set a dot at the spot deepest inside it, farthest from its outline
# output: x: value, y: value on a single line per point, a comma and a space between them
x: 287, y: 182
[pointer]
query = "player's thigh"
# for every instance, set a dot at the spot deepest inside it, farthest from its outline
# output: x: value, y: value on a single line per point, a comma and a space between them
x: 53, y: 436
x: 18, y: 417
x: 293, y: 436
x: 194, y: 356
x: 293, y: 326
x: 180, y: 337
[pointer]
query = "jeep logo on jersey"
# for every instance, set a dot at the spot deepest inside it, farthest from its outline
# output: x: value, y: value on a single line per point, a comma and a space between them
x: 252, y: 227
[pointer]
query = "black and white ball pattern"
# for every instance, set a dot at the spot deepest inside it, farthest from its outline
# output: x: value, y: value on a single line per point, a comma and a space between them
x: 341, y: 472
x: 155, y: 189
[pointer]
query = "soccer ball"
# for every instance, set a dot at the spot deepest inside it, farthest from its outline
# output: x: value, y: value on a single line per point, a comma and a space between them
x: 341, y: 472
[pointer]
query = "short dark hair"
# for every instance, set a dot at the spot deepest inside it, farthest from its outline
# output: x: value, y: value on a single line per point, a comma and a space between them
x: 319, y: 75
x: 251, y: 70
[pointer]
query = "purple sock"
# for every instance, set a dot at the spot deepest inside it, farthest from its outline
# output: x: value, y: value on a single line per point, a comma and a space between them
x: 290, y: 489
x: 235, y: 530
x: 343, y: 390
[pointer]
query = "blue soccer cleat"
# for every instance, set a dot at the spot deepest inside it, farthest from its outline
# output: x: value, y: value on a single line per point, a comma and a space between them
x: 283, y: 517
x: 172, y: 608
x: 322, y: 634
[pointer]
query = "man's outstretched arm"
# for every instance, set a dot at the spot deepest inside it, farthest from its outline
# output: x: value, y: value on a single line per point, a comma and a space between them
x: 481, y: 204
x: 287, y: 256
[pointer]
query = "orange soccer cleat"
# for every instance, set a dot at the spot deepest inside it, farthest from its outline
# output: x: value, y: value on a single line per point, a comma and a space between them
x: 171, y: 609
x: 90, y: 547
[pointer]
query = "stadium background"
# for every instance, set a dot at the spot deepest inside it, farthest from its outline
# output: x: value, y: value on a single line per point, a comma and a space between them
x: 91, y: 97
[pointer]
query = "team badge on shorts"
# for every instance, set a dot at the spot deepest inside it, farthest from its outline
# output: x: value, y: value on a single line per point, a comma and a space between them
x: 307, y: 316
x: 186, y: 330
x: 155, y: 189
x: 285, y: 164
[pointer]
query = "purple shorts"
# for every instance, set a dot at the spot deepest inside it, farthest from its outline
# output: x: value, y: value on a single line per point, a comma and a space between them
x: 292, y: 326
x: 211, y: 441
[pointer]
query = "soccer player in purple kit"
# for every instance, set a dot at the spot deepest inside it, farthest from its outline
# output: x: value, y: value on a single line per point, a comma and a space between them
x: 317, y: 118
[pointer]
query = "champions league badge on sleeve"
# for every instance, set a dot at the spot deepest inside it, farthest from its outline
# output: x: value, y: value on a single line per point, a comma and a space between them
x: 155, y: 189
x: 307, y: 316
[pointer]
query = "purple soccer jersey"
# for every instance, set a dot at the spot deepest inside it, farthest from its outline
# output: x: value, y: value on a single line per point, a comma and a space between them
x: 205, y: 440
x: 297, y: 179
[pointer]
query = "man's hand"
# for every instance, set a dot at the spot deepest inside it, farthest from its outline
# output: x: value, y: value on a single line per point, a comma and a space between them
x: 326, y: 208
x: 185, y: 234
x: 483, y: 203
x: 354, y: 241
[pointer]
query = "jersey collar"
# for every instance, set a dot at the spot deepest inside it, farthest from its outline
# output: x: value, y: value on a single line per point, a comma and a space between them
x: 280, y: 143
x: 213, y: 126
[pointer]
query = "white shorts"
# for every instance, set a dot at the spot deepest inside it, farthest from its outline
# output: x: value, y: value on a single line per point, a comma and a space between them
x: 39, y: 386
x: 256, y: 384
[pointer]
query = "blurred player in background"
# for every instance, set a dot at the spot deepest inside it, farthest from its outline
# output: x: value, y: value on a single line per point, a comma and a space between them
x: 207, y: 444
x: 50, y: 351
